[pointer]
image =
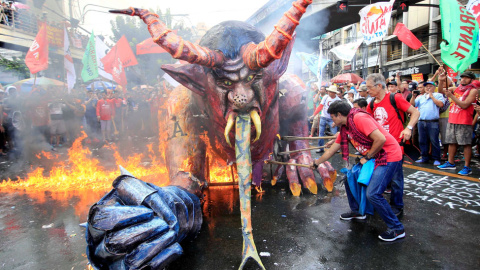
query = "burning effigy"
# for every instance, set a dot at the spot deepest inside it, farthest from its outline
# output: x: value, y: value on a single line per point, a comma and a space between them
x: 232, y: 80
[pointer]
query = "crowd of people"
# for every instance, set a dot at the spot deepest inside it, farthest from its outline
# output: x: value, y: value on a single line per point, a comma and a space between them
x: 53, y: 116
x: 380, y: 117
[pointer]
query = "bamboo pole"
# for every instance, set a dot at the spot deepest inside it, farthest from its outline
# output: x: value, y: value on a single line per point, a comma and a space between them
x: 301, y: 150
x: 431, y: 55
x: 285, y: 163
x: 294, y: 138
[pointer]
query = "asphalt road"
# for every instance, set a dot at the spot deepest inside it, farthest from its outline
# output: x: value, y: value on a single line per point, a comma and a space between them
x: 441, y: 219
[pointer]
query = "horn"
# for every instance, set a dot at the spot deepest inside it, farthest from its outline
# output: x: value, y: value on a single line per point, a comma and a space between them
x: 174, y: 44
x: 257, y: 56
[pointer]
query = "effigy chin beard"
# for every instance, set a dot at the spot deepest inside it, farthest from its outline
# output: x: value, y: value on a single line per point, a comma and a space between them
x: 138, y: 225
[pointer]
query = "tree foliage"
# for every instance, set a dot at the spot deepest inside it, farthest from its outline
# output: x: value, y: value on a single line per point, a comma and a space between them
x: 15, y: 65
x: 136, y: 31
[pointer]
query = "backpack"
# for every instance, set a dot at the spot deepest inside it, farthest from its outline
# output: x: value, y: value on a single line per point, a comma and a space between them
x: 446, y: 104
x: 394, y: 105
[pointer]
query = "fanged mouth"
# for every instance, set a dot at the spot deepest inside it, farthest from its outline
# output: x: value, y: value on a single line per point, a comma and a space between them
x: 255, y: 119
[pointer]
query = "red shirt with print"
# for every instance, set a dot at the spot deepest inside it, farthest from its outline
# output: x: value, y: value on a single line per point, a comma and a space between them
x: 386, y: 116
x: 366, y: 125
x: 105, y: 109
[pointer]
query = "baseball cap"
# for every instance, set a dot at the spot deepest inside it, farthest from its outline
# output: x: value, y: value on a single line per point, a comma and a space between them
x: 468, y: 74
x: 429, y: 82
x: 412, y: 86
x: 362, y: 88
x: 392, y: 83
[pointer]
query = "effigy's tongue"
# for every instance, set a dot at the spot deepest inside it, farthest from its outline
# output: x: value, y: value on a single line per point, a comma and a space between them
x: 244, y: 169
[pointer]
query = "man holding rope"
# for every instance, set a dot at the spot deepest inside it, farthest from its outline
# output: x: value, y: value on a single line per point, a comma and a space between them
x: 373, y: 142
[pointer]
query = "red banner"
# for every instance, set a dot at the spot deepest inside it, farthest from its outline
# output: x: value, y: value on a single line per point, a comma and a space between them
x: 37, y: 56
x: 452, y: 74
x: 122, y: 51
x: 407, y: 37
x: 148, y: 46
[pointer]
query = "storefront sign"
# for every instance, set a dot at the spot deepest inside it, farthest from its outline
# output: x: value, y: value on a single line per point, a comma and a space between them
x: 55, y: 36
x: 424, y: 69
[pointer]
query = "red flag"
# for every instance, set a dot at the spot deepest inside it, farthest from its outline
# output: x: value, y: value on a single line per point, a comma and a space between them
x: 148, y: 46
x: 118, y: 73
x: 407, y: 37
x: 121, y: 51
x: 37, y: 56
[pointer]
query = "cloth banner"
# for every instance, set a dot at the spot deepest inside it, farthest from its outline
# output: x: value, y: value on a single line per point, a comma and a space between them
x: 406, y: 36
x: 311, y: 61
x: 374, y: 21
x: 473, y: 7
x: 37, y: 56
x: 89, y: 60
x: 347, y: 51
x: 460, y: 30
x: 68, y: 61
x: 148, y: 46
x: 101, y: 50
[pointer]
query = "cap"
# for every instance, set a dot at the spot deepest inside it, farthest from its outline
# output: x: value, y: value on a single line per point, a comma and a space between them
x: 362, y: 88
x: 392, y: 83
x: 1, y: 91
x: 351, y: 91
x: 468, y: 74
x: 412, y: 86
x: 333, y: 88
x: 429, y: 82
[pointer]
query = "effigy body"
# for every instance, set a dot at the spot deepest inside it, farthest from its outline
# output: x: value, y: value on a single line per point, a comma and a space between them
x: 234, y: 76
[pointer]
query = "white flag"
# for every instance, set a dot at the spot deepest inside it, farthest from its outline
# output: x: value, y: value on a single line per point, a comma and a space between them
x: 68, y: 61
x: 101, y: 50
x: 374, y: 21
x: 347, y: 51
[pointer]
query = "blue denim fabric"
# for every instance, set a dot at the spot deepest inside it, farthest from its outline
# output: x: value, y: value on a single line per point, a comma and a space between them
x: 381, y: 176
x: 322, y: 126
x: 396, y: 197
x: 428, y: 133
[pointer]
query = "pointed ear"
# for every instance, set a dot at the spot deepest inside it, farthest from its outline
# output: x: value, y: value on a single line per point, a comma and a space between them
x: 279, y: 66
x: 191, y: 76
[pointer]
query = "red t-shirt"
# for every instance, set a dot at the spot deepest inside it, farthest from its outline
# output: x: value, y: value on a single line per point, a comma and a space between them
x: 105, y: 109
x: 457, y: 115
x: 366, y: 125
x: 386, y: 116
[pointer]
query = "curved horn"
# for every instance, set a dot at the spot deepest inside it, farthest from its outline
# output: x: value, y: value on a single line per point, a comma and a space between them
x: 174, y: 44
x: 257, y: 56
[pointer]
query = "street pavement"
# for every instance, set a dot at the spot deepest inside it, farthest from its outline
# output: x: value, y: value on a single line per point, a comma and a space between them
x: 441, y: 219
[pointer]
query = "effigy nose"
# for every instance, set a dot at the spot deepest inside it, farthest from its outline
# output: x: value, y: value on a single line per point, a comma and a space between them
x: 240, y: 97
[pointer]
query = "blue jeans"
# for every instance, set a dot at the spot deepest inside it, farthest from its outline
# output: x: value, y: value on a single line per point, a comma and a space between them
x: 396, y: 197
x: 321, y: 128
x: 382, y: 175
x: 428, y: 133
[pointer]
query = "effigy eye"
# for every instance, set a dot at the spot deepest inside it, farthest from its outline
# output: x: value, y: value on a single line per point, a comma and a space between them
x: 227, y: 83
x: 250, y: 78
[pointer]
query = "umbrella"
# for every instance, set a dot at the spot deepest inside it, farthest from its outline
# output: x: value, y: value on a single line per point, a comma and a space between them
x: 100, y: 85
x: 343, y: 78
x: 26, y: 85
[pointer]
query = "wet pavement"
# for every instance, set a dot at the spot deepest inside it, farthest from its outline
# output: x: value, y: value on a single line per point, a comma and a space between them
x: 441, y: 219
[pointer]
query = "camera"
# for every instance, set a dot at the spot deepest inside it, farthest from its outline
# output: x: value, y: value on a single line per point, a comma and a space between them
x: 416, y: 92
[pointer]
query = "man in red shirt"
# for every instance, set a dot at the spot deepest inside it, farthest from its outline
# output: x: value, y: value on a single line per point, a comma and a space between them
x: 105, y: 114
x: 373, y: 142
x: 385, y: 114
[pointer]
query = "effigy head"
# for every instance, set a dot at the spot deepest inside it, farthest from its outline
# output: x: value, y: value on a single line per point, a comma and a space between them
x: 236, y: 86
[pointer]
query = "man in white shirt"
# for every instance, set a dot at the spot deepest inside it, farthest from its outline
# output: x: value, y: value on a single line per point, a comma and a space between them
x: 325, y: 118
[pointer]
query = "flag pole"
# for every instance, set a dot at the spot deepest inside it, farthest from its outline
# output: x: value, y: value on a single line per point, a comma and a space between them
x: 378, y: 57
x: 35, y: 79
x: 423, y: 45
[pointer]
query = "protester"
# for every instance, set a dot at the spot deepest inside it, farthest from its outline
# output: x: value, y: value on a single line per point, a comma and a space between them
x: 383, y: 110
x: 93, y: 126
x: 57, y: 122
x: 362, y: 93
x: 360, y: 103
x: 105, y: 114
x: 373, y: 142
x: 325, y: 118
x: 392, y: 87
x: 459, y: 128
x: 428, y: 104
